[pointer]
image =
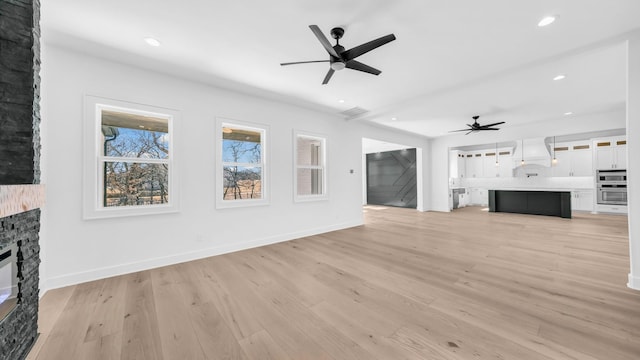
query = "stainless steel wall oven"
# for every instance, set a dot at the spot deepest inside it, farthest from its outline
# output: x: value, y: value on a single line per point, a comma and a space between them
x: 612, y: 176
x: 612, y: 187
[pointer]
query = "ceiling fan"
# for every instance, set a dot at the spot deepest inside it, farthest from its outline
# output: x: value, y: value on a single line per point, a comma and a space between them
x: 339, y: 58
x: 477, y: 127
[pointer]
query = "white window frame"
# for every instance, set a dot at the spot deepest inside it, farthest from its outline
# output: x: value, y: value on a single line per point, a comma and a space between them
x: 221, y: 203
x: 93, y: 185
x: 323, y: 167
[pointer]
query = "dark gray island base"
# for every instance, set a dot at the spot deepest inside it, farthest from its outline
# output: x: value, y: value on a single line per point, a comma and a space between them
x: 552, y: 203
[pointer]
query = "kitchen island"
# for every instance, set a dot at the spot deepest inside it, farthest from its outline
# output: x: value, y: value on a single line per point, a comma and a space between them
x: 535, y: 202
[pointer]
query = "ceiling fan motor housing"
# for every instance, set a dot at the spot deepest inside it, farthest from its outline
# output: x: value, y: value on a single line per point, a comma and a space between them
x: 337, y: 63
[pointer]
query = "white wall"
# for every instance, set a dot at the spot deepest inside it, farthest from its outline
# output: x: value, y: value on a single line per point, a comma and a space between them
x: 633, y: 162
x: 76, y: 250
x: 439, y: 151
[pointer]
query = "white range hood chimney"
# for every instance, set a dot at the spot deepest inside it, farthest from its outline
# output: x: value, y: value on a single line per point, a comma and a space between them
x: 533, y: 152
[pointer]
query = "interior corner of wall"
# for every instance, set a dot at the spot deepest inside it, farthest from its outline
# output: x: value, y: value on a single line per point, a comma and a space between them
x: 634, y: 282
x: 43, y: 288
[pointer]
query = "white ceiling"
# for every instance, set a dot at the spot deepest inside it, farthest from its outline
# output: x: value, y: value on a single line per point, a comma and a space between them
x: 451, y: 59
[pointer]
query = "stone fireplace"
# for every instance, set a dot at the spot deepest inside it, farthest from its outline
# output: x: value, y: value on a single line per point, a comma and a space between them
x: 8, y: 278
x: 19, y: 251
x: 21, y: 194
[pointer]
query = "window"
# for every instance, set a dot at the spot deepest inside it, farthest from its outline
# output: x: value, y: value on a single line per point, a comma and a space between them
x: 241, y: 165
x: 128, y: 159
x: 310, y: 167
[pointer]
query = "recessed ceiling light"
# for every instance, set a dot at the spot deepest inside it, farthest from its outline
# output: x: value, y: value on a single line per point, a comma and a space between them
x: 568, y: 113
x: 152, y: 42
x: 559, y: 77
x: 341, y: 101
x: 547, y: 20
x: 394, y: 118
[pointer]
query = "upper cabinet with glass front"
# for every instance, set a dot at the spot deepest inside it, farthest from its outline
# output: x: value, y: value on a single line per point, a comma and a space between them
x: 489, y: 163
x: 573, y: 159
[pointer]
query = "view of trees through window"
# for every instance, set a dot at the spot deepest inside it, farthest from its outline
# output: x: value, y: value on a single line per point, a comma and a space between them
x: 242, y: 163
x: 135, y: 161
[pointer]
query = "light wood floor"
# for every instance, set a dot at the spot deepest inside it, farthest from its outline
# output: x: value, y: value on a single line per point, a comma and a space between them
x: 407, y: 285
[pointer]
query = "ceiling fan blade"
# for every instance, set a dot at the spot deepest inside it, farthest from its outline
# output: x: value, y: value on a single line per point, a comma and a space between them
x: 323, y: 40
x: 356, y: 65
x: 488, y: 129
x: 459, y: 130
x: 328, y: 76
x: 469, y: 132
x: 303, y: 62
x: 489, y: 125
x: 366, y: 47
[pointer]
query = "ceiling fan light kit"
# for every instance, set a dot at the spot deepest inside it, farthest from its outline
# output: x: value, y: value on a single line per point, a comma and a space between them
x: 339, y: 58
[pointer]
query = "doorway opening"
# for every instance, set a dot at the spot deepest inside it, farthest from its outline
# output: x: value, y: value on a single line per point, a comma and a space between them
x: 392, y: 174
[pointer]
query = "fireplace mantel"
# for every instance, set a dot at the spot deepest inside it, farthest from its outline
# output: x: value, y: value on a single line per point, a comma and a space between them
x: 15, y: 199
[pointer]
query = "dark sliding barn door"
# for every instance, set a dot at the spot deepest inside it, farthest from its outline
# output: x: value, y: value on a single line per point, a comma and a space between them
x: 391, y: 178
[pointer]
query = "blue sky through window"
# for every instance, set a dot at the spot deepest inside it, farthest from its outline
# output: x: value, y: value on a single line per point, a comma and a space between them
x: 138, y: 143
x: 241, y: 151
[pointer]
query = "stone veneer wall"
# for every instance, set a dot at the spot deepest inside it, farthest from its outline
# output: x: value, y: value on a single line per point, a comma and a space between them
x: 18, y: 331
x: 19, y: 91
x: 20, y: 162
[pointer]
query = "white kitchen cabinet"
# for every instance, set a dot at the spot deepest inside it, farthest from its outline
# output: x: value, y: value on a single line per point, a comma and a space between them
x: 582, y: 200
x: 463, y: 200
x: 478, y: 196
x: 505, y: 164
x: 562, y: 166
x: 582, y: 161
x: 454, y: 164
x: 474, y: 165
x: 481, y: 163
x: 462, y: 166
x: 614, y: 209
x: 489, y: 167
x: 573, y: 159
x: 611, y: 153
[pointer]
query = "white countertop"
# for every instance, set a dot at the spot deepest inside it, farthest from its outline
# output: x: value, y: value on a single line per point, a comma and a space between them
x: 529, y: 189
x: 523, y: 188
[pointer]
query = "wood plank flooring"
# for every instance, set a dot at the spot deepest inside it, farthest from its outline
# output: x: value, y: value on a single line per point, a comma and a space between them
x: 406, y: 285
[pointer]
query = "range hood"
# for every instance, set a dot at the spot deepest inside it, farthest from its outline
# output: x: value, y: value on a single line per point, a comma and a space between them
x: 533, y: 152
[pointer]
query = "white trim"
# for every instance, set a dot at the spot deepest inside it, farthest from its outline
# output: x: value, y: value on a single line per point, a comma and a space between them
x: 132, y: 160
x: 108, y: 271
x: 264, y: 165
x: 323, y: 167
x: 634, y: 282
x: 419, y: 181
x: 92, y: 193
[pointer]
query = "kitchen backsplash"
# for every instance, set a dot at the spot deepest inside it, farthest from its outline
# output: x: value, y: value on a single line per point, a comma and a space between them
x: 533, y: 182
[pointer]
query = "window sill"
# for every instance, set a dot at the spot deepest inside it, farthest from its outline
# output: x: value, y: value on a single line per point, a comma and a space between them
x: 230, y: 204
x: 310, y: 198
x: 107, y: 213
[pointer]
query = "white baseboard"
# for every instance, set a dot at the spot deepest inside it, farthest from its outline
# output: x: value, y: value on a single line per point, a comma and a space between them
x: 634, y: 282
x: 121, y: 269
